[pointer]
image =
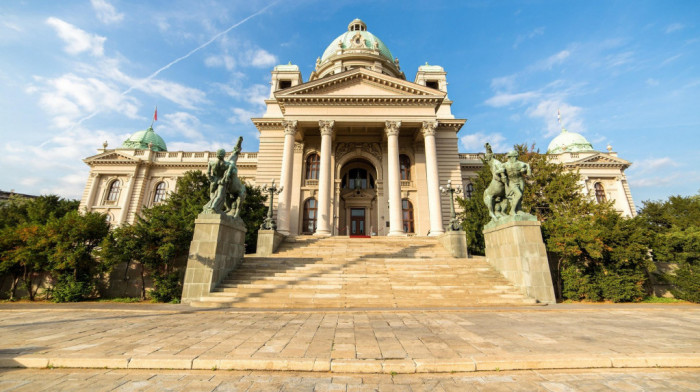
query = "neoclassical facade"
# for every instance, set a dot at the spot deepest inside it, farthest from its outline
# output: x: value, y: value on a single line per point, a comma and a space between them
x: 359, y: 150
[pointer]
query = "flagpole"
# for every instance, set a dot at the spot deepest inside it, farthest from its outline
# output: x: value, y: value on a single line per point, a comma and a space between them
x: 155, y: 116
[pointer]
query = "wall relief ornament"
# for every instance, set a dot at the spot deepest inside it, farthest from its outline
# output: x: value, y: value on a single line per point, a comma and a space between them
x: 298, y: 147
x: 371, y: 148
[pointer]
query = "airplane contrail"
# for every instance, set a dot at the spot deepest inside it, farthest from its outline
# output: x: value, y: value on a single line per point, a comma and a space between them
x: 177, y: 60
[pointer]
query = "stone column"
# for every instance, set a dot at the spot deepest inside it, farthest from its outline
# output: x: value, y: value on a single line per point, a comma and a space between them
x: 323, y: 227
x: 126, y: 202
x: 431, y: 168
x: 290, y: 128
x: 395, y: 218
x: 90, y: 201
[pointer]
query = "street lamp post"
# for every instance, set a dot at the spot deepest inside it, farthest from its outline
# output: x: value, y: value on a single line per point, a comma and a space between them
x: 454, y: 222
x: 269, y: 223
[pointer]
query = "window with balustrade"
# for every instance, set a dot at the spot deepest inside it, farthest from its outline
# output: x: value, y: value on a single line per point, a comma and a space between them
x: 407, y: 211
x: 405, y: 163
x: 313, y: 164
x: 160, y: 192
x: 310, y: 216
x: 600, y: 193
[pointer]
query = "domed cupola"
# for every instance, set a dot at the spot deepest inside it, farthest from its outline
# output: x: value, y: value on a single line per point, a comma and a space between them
x: 141, y: 140
x: 569, y: 142
x: 357, y: 48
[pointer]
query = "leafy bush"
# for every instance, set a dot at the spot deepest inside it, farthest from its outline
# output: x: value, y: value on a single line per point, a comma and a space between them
x: 68, y: 289
x: 166, y: 287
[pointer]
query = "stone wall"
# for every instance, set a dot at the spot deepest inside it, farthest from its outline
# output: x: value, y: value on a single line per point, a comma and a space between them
x: 517, y: 251
x: 217, y: 248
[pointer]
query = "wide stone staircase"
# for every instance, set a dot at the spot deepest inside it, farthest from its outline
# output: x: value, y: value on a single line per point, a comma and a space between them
x: 378, y: 272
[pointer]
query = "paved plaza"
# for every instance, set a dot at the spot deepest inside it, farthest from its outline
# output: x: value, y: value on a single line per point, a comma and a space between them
x: 360, y: 341
x: 95, y: 380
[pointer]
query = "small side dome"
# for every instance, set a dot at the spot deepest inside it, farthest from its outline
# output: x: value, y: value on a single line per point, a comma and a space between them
x: 141, y: 139
x: 569, y: 142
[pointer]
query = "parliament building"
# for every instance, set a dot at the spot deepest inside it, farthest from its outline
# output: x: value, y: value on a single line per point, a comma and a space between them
x: 359, y: 149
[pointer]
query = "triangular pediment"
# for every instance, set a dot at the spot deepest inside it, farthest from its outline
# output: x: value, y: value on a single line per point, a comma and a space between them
x: 358, y: 82
x: 109, y: 157
x: 601, y: 159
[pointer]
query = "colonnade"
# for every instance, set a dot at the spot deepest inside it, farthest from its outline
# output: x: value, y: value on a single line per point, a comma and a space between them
x: 324, y: 222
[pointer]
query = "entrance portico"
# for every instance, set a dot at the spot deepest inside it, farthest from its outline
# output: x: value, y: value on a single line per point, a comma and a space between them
x: 359, y: 116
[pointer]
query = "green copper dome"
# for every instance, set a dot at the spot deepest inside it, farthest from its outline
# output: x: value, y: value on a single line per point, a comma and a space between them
x: 357, y: 37
x: 569, y: 142
x: 141, y: 139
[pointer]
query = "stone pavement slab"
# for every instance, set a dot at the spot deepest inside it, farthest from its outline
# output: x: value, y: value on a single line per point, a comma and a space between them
x: 357, y: 341
x: 75, y: 380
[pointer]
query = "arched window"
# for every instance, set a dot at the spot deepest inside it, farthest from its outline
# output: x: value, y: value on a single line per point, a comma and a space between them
x: 113, y: 193
x: 407, y: 209
x: 599, y: 193
x: 310, y: 216
x: 108, y: 218
x: 468, y: 190
x: 357, y: 179
x: 313, y: 164
x: 159, y: 194
x: 405, y: 164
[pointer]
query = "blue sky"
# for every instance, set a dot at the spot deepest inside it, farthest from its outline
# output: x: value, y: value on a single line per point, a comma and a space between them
x: 76, y: 73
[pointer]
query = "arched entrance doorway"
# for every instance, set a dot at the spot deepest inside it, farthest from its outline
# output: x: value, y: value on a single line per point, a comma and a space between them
x: 357, y: 212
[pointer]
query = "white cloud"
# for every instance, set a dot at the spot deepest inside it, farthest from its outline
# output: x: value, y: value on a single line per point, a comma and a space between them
x: 674, y: 27
x: 523, y: 37
x: 106, y: 12
x: 77, y: 40
x: 242, y: 116
x: 670, y: 60
x: 69, y: 97
x: 475, y: 142
x: 506, y: 83
x: 257, y: 94
x: 12, y: 26
x: 652, y: 82
x: 181, y: 123
x: 505, y: 99
x: 187, y: 97
x: 260, y: 58
x: 615, y: 60
x: 551, y: 61
x: 220, y: 61
x: 547, y: 111
x: 652, y: 164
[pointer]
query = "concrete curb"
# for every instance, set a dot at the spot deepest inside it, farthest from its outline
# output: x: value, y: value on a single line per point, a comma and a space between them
x: 387, y: 366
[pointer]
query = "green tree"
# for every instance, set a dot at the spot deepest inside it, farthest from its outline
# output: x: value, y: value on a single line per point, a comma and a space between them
x: 71, y: 241
x: 594, y: 252
x: 673, y: 227
x: 162, y: 234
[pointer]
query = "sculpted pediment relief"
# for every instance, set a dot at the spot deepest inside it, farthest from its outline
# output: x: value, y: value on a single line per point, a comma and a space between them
x: 110, y: 156
x: 359, y: 82
x: 601, y: 160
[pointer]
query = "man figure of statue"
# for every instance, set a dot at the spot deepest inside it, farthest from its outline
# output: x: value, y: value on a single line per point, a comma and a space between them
x: 218, y: 172
x: 495, y: 193
x: 515, y: 182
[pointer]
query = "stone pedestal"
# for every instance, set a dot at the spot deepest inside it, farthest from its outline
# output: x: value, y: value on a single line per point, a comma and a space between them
x: 216, y: 249
x: 268, y: 242
x: 517, y: 251
x: 455, y: 242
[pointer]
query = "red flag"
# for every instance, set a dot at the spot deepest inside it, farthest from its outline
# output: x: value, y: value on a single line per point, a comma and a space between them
x: 155, y: 114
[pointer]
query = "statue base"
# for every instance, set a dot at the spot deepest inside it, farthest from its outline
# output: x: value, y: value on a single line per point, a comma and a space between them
x: 455, y: 242
x: 517, y: 251
x: 523, y: 217
x: 268, y: 242
x: 217, y: 247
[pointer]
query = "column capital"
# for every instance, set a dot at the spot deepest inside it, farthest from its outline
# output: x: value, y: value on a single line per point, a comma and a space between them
x: 326, y: 127
x: 392, y: 128
x: 429, y: 128
x: 290, y: 127
x: 298, y: 147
